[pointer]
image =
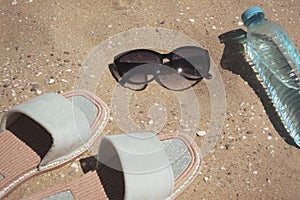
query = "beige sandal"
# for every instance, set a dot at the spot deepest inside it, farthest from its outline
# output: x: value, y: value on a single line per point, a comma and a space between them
x: 135, y: 166
x: 47, y: 132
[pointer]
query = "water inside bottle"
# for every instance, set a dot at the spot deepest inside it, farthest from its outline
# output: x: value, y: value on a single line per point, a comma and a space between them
x: 273, y: 56
x: 277, y: 62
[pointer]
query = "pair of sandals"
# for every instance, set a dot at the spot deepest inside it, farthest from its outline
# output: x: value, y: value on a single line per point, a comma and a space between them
x: 51, y: 130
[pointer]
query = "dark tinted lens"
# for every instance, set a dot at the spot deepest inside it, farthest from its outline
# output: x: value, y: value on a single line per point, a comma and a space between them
x: 171, y: 79
x: 135, y: 78
x: 140, y: 56
x: 191, y: 62
x: 132, y: 59
x: 141, y: 74
x: 127, y: 81
x: 138, y: 77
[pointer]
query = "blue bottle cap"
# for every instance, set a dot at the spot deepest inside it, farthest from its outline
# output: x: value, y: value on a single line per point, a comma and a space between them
x: 251, y: 12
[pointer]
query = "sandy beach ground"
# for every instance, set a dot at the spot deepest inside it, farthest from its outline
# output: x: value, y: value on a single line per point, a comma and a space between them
x: 45, y: 44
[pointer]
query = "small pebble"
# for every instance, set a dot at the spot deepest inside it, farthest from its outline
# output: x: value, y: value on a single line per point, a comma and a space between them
x: 240, y: 23
x: 5, y: 85
x: 192, y: 20
x: 205, y: 178
x: 227, y: 146
x: 66, y: 60
x: 66, y: 52
x: 38, y: 92
x: 201, y: 133
x: 51, y: 81
x: 39, y: 73
x: 34, y: 87
x: 13, y: 93
x: 71, y: 173
x: 75, y: 165
x: 269, y: 137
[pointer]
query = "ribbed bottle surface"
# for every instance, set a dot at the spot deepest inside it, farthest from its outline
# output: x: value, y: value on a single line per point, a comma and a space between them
x: 278, y: 63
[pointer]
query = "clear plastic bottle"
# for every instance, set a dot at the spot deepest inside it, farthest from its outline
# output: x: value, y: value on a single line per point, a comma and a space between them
x: 277, y: 62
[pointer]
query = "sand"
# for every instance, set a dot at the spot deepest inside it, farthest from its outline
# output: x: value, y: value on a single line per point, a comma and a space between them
x: 45, y: 44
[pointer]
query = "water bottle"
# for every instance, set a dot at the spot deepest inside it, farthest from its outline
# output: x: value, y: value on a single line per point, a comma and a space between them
x: 277, y: 62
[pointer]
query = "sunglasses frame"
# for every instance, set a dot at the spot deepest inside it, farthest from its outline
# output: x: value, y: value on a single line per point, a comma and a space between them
x: 120, y: 75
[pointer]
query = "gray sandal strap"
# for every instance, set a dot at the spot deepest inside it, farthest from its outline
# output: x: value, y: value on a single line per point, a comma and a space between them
x: 67, y: 125
x: 144, y: 162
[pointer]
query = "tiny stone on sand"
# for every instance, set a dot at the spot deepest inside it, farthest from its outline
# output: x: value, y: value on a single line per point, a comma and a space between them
x: 205, y: 178
x: 201, y: 133
x: 75, y: 166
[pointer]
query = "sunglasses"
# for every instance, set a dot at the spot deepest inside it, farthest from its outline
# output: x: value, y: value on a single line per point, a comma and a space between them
x: 178, y: 70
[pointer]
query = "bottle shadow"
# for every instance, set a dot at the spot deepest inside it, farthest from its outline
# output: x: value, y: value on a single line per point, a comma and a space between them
x: 234, y: 60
